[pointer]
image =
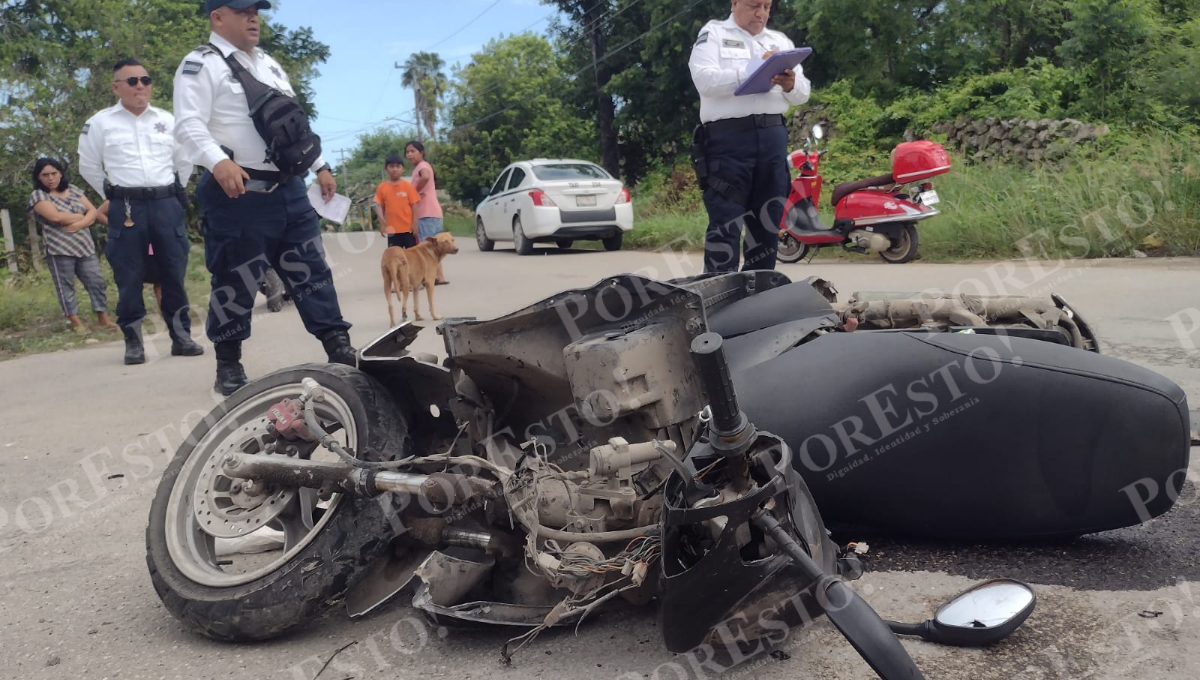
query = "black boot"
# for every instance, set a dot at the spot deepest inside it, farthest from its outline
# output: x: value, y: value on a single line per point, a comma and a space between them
x: 337, y: 346
x: 184, y: 346
x: 134, y: 352
x: 230, y: 374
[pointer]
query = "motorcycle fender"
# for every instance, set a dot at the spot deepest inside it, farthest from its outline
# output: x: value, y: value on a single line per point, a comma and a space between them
x: 973, y: 436
x: 871, y: 207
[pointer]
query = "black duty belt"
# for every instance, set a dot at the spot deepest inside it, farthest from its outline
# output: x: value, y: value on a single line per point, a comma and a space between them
x: 759, y: 120
x: 265, y: 175
x: 141, y: 193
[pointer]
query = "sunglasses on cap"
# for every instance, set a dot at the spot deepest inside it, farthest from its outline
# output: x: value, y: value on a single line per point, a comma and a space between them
x: 132, y: 81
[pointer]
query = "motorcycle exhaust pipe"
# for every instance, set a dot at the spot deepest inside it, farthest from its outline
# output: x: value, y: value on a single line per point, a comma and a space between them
x: 442, y: 490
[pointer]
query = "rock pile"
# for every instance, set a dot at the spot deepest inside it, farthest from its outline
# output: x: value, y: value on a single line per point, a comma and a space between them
x: 982, y: 139
x: 1015, y: 139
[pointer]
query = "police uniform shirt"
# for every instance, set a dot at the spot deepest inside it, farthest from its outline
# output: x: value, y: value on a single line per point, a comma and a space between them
x: 724, y: 56
x: 131, y: 151
x: 211, y: 108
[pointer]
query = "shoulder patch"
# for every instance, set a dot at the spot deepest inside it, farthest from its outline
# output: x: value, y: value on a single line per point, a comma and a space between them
x: 86, y: 127
x: 191, y: 68
x: 703, y: 37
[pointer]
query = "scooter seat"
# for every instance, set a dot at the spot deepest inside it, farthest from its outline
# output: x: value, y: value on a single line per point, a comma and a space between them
x: 841, y: 190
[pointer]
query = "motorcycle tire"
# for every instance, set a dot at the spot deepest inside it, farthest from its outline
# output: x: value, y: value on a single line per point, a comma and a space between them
x: 903, y: 249
x: 312, y: 574
x: 790, y: 250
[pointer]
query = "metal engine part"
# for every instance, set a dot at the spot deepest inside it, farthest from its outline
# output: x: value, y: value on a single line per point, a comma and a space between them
x: 870, y: 240
x: 618, y: 374
x: 606, y: 496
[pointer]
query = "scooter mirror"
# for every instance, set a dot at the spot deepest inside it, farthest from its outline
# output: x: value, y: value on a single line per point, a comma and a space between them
x: 817, y: 131
x: 983, y: 614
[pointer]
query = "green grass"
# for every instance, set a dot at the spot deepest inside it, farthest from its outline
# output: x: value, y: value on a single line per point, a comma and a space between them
x: 1143, y: 197
x: 32, y: 322
x: 462, y: 226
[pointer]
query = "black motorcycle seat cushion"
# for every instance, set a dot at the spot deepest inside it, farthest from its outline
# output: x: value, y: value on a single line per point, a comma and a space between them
x: 840, y: 191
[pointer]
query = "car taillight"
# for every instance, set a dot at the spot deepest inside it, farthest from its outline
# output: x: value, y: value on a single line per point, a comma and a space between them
x: 926, y: 186
x: 623, y: 197
x: 541, y: 199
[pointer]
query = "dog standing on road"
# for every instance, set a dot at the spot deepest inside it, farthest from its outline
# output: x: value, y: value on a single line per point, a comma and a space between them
x: 419, y: 268
x: 394, y: 267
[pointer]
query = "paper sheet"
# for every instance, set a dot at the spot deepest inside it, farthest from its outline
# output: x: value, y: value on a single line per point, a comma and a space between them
x: 335, y: 210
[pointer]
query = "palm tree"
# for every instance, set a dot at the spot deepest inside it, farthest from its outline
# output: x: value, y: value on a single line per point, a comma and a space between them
x: 423, y: 73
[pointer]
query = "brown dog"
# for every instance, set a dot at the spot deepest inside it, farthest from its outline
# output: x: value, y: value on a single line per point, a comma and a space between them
x: 394, y: 267
x: 423, y: 262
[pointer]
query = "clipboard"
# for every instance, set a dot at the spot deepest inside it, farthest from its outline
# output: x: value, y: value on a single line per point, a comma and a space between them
x: 778, y: 63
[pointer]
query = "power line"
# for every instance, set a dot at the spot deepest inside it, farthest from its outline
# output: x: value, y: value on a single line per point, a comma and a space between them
x: 464, y: 26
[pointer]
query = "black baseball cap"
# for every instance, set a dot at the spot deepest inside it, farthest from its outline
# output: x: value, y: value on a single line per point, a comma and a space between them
x: 393, y: 159
x: 210, y: 5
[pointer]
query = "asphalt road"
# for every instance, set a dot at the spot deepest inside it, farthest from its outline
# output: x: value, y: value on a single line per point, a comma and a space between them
x: 74, y: 494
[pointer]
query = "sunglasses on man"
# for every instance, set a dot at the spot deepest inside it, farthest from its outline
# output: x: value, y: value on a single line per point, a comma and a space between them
x: 132, y: 81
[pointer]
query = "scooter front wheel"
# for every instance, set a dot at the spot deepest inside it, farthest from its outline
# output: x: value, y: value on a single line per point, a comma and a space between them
x: 904, y: 248
x: 790, y: 249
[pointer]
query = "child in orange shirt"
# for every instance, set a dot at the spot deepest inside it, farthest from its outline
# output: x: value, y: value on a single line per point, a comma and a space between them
x: 394, y: 201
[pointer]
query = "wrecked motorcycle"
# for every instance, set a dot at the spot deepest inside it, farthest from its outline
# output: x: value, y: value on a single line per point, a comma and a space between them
x: 669, y: 440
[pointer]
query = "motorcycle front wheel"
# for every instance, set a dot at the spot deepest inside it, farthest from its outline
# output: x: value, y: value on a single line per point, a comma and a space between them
x: 790, y: 250
x: 242, y: 562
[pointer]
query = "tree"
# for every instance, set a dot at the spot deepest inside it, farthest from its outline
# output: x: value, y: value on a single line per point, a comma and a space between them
x: 591, y: 16
x: 505, y: 107
x: 423, y: 74
x: 1107, y: 45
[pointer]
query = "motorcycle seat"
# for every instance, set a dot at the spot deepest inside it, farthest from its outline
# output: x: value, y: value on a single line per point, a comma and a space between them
x: 841, y: 190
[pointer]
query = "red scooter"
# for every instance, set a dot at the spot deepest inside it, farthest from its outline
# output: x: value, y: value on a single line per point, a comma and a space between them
x: 878, y: 214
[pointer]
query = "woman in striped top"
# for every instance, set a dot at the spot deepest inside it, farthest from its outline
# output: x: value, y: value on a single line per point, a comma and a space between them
x: 66, y: 215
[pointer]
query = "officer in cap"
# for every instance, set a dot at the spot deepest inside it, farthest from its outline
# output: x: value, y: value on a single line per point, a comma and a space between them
x: 255, y: 205
x: 128, y: 154
x: 740, y: 149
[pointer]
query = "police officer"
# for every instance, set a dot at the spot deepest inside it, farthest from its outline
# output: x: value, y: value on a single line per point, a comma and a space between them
x: 255, y: 215
x: 740, y: 152
x: 127, y: 153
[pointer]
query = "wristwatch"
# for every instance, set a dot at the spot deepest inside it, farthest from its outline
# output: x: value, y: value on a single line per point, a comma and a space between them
x: 323, y: 168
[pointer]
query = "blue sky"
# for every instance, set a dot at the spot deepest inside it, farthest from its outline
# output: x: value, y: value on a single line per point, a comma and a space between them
x: 359, y: 86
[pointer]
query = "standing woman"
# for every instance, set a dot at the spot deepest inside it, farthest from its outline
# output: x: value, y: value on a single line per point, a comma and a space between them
x: 428, y: 211
x: 65, y: 215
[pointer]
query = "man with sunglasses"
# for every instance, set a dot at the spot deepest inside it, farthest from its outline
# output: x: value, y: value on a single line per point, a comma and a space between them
x: 127, y: 153
x: 256, y: 216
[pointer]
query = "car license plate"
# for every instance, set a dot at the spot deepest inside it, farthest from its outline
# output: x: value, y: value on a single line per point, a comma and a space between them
x: 930, y: 197
x: 586, y: 201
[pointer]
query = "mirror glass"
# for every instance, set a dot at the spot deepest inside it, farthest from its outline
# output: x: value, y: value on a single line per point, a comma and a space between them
x: 988, y: 606
x: 818, y: 132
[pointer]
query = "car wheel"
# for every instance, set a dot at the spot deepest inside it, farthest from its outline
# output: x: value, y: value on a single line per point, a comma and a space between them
x: 614, y: 242
x: 521, y: 243
x: 564, y: 243
x: 485, y: 244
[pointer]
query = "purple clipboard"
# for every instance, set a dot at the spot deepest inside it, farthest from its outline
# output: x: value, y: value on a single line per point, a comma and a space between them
x: 778, y: 63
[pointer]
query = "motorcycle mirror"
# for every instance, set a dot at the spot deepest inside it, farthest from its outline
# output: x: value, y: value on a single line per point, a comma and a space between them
x: 982, y: 614
x: 817, y: 131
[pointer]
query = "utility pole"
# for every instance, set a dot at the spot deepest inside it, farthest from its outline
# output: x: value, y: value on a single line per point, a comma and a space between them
x: 345, y: 177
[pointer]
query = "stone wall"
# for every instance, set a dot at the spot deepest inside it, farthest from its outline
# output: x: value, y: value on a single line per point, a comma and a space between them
x: 1016, y: 139
x: 984, y: 139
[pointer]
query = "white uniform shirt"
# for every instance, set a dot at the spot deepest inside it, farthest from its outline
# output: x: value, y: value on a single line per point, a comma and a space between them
x: 724, y: 56
x: 211, y: 108
x: 131, y: 151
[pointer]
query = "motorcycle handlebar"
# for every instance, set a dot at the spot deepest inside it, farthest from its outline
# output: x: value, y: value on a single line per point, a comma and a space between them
x: 714, y: 375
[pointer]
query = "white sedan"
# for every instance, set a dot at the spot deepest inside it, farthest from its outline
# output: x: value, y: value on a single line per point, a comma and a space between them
x: 557, y: 200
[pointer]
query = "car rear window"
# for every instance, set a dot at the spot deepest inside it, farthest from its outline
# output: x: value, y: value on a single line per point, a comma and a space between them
x: 569, y: 171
